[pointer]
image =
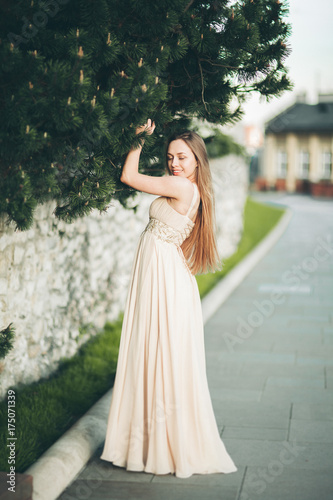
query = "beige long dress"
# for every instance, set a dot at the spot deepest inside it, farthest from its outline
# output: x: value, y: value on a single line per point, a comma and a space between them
x: 161, y: 418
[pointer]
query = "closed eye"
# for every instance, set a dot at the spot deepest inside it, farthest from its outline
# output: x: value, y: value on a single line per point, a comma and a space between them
x: 179, y: 158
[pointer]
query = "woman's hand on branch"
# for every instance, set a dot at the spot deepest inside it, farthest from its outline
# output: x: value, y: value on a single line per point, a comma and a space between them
x: 148, y: 127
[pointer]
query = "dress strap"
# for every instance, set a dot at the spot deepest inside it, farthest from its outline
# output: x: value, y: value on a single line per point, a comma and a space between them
x: 193, y: 198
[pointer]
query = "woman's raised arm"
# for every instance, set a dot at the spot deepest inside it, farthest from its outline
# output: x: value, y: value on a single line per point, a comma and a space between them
x: 170, y: 186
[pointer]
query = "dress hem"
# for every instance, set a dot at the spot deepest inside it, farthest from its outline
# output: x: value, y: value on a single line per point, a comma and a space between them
x: 139, y: 468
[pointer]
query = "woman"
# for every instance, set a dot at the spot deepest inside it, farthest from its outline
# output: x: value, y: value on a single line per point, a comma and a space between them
x: 161, y: 418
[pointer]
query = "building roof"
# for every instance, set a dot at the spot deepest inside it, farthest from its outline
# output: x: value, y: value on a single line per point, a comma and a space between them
x: 302, y: 117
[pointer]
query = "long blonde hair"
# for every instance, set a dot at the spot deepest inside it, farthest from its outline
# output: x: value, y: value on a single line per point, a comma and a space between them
x: 200, y: 248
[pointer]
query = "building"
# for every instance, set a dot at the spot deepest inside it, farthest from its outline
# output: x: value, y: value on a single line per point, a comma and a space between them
x: 298, y: 149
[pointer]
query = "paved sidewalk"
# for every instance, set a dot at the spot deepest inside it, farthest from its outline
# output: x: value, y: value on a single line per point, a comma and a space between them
x: 269, y: 351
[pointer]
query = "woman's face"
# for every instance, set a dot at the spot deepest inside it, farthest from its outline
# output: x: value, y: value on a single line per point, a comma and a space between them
x: 181, y: 160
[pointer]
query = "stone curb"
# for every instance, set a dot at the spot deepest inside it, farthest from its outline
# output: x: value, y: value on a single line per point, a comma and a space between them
x: 64, y: 460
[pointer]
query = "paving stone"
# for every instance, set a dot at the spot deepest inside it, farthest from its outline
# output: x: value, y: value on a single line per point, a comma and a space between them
x: 324, y: 352
x: 258, y: 357
x: 329, y: 382
x: 283, y: 370
x: 301, y: 455
x: 252, y: 414
x: 328, y: 339
x: 297, y: 395
x: 279, y: 482
x: 313, y: 316
x: 295, y: 338
x: 295, y: 382
x: 315, y: 323
x: 231, y: 341
x: 120, y: 490
x: 305, y: 411
x: 296, y: 330
x: 213, y: 364
x: 311, y: 360
x: 257, y: 452
x: 260, y: 342
x: 314, y: 431
x: 235, y: 394
x: 257, y: 433
x: 309, y: 301
x: 293, y: 345
x: 217, y: 381
x: 318, y: 309
x: 329, y: 371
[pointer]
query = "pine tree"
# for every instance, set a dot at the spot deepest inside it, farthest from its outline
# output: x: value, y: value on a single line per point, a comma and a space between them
x: 78, y: 76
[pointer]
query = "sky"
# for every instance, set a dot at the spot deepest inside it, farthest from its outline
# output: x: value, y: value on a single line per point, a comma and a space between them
x: 310, y: 62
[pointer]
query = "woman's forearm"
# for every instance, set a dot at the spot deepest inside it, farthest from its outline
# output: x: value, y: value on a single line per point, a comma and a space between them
x: 131, y: 165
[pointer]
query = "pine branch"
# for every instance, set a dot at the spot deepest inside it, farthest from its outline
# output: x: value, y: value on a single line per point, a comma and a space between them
x: 188, y: 5
x: 202, y: 87
x: 6, y: 340
x: 219, y: 65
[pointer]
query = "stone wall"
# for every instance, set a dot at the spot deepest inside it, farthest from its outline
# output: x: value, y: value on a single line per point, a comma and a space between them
x: 57, y: 277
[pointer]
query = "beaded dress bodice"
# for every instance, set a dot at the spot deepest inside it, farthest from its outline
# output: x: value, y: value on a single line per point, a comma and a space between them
x: 167, y: 224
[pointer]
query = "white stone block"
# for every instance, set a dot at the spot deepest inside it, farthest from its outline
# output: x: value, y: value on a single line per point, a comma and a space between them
x: 34, y: 350
x: 18, y: 255
x: 44, y: 227
x: 5, y: 240
x: 3, y: 286
x: 21, y: 237
x: 82, y: 227
x: 5, y: 317
x: 56, y: 283
x: 14, y: 282
x: 52, y: 242
x: 30, y: 250
x: 5, y: 264
x: 38, y: 306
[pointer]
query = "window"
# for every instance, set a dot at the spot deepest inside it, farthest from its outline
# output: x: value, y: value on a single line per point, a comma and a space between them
x: 281, y: 165
x: 304, y: 164
x: 326, y: 165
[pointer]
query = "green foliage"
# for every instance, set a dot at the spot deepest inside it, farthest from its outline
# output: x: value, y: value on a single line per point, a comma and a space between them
x: 6, y: 340
x: 221, y: 144
x: 79, y: 75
